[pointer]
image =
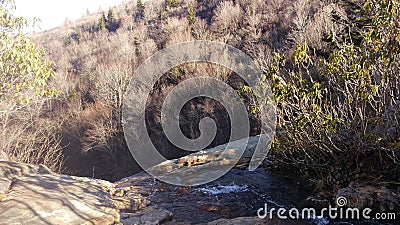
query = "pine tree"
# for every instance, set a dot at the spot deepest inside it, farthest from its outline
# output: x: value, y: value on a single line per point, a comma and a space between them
x: 110, y: 16
x: 140, y: 10
x: 161, y: 13
x: 172, y: 3
x: 191, y: 14
x: 101, y: 25
x: 112, y: 24
x: 140, y: 6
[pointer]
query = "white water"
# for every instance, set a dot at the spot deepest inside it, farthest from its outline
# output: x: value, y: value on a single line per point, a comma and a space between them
x: 224, y: 189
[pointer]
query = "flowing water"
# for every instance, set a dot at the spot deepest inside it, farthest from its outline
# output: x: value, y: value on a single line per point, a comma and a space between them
x: 239, y: 193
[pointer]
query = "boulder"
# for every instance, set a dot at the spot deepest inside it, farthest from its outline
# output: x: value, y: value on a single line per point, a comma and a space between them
x: 209, y: 162
x: 362, y: 196
x: 147, y: 216
x: 32, y: 194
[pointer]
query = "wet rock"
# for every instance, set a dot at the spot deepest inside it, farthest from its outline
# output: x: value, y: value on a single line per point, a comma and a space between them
x: 147, y: 216
x: 239, y: 193
x: 240, y: 220
x: 210, y: 207
x: 130, y: 203
x: 255, y: 221
x: 362, y: 196
x: 208, y: 162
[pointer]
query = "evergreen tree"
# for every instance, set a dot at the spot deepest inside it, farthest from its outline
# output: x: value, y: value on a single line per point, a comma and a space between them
x: 110, y: 16
x: 102, y: 23
x: 161, y: 13
x: 140, y: 9
x: 112, y: 24
x: 191, y: 14
x: 172, y: 3
x: 140, y: 6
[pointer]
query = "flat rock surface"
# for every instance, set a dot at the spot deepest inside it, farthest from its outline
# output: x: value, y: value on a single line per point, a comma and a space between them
x: 198, y: 167
x: 34, y: 195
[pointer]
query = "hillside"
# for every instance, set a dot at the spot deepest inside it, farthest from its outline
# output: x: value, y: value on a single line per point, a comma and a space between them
x: 94, y: 64
x: 332, y: 66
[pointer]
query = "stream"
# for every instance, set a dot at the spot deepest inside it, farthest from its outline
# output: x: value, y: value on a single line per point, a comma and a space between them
x: 239, y: 193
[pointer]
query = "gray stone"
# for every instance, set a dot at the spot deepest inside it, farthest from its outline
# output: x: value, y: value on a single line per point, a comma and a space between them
x: 4, y: 185
x: 376, y: 197
x: 255, y: 221
x: 3, y: 156
x: 147, y: 216
x: 10, y: 170
x: 210, y: 162
x: 32, y: 194
x: 35, y: 195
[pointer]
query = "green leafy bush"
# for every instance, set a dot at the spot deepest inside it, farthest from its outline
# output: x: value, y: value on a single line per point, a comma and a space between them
x: 339, y: 115
x: 24, y: 76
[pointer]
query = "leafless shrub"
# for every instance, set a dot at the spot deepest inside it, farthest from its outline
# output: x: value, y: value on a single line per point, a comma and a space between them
x: 312, y: 27
x: 200, y: 30
x: 176, y: 30
x: 26, y: 137
x: 226, y: 21
x: 151, y: 8
x: 140, y: 32
x: 111, y: 83
x: 253, y: 24
x: 322, y: 25
x: 146, y: 49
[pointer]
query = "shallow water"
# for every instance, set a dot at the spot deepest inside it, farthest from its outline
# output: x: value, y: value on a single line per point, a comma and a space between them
x: 239, y: 193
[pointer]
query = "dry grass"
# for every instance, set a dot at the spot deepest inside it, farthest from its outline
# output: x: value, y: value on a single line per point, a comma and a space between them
x: 29, y: 137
